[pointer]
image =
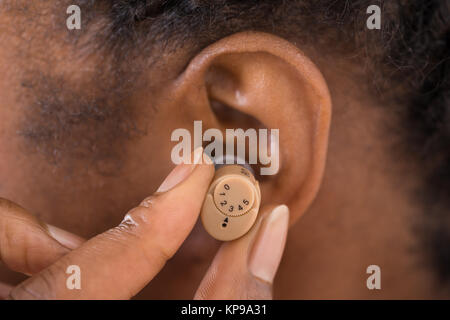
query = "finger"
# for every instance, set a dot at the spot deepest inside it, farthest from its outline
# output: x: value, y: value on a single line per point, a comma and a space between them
x: 28, y: 245
x: 121, y: 261
x: 66, y: 238
x: 5, y: 289
x: 245, y: 268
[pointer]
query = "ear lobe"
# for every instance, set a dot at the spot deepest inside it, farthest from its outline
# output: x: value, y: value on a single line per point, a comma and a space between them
x: 271, y: 80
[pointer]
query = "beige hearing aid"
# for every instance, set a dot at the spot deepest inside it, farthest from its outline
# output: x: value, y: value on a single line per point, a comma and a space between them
x: 231, y: 204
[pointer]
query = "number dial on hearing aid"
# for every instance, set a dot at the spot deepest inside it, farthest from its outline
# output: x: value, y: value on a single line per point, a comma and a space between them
x: 234, y: 196
x: 232, y: 203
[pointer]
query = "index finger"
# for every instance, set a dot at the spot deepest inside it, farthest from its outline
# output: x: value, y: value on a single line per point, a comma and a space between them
x: 118, y: 263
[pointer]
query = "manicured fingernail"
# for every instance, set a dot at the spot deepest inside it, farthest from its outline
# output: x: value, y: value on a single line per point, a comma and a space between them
x: 207, y: 159
x: 269, y: 244
x: 64, y: 237
x: 181, y: 172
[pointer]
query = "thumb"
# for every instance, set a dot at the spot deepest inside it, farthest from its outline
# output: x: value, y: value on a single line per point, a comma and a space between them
x: 245, y: 268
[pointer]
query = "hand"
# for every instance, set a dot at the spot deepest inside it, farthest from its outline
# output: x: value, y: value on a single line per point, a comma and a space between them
x: 118, y: 263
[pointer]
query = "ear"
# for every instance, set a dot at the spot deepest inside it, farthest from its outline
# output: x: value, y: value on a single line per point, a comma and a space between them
x: 259, y: 80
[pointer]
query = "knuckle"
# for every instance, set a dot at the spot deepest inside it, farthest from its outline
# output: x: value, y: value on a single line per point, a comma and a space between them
x: 139, y: 230
x: 13, y: 214
x: 140, y: 219
x: 140, y: 216
x: 6, y: 204
x: 124, y: 234
x: 149, y: 201
x: 165, y: 252
x: 155, y: 255
x: 10, y: 210
x: 133, y: 234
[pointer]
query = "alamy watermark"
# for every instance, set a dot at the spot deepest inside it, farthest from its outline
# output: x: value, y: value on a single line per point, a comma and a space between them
x: 374, y: 20
x: 374, y: 280
x: 73, y: 281
x: 74, y: 20
x: 262, y: 146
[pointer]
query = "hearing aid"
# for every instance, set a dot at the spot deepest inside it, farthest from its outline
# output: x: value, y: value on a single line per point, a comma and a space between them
x: 232, y: 202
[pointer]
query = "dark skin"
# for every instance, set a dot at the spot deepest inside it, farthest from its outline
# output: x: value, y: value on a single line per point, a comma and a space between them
x: 349, y: 198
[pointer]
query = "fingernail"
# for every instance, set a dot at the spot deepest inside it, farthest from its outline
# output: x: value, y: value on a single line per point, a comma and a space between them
x: 207, y: 159
x: 64, y: 237
x: 269, y: 244
x: 180, y: 172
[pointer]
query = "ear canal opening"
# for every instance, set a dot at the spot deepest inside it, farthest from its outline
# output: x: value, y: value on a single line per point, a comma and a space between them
x: 230, y: 118
x: 229, y: 105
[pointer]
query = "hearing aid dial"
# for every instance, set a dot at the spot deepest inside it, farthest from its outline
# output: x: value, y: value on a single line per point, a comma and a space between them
x: 231, y: 204
x: 234, y: 196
